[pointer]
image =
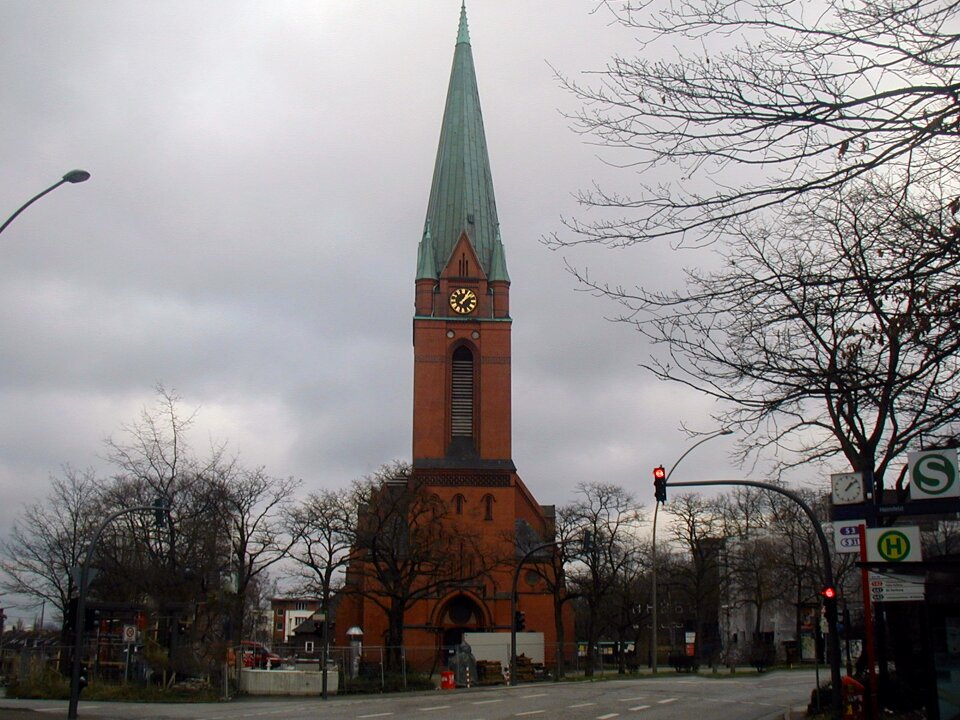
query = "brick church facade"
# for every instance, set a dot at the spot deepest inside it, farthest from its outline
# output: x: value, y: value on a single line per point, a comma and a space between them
x: 462, y: 455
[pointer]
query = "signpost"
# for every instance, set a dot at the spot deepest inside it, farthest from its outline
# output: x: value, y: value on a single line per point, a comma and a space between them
x: 846, y: 535
x: 890, y: 587
x: 129, y: 634
x: 893, y: 544
x: 934, y: 489
x: 934, y: 474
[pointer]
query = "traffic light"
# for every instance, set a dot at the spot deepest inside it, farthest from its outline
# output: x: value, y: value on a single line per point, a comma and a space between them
x: 829, y: 593
x: 161, y: 512
x: 586, y: 542
x: 91, y: 619
x: 660, y: 484
x: 519, y: 620
x: 70, y: 616
x: 83, y: 678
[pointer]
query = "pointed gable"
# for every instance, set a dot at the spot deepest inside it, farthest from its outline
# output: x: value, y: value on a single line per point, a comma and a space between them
x: 463, y: 261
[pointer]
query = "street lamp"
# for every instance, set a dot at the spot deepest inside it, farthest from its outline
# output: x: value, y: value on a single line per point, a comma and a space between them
x: 662, y: 497
x: 74, y: 176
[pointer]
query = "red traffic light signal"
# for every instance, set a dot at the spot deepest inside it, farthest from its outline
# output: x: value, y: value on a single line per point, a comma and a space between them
x: 660, y: 484
x: 829, y: 593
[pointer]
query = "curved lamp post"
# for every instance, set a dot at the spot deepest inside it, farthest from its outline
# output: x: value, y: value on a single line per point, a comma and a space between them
x: 653, y: 549
x: 74, y: 176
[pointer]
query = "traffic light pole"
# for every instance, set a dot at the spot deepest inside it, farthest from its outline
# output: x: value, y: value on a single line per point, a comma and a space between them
x: 660, y: 495
x: 830, y: 604
x: 513, y: 606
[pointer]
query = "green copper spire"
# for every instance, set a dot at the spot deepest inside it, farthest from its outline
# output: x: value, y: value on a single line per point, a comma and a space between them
x: 461, y: 197
x: 498, y: 263
x: 426, y: 263
x: 463, y: 36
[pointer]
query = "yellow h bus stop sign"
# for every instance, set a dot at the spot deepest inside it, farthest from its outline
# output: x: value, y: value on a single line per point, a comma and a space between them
x: 894, y: 544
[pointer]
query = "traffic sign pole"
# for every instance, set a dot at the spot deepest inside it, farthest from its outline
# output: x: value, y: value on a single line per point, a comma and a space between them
x: 868, y: 629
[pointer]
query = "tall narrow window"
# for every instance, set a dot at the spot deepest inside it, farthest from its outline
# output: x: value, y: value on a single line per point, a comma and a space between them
x: 461, y: 394
x: 488, y: 507
x: 458, y: 503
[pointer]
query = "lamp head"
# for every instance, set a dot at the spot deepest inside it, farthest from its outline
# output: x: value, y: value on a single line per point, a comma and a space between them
x: 77, y: 176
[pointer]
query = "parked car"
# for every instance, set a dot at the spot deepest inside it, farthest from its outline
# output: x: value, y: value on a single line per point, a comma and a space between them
x: 259, y: 656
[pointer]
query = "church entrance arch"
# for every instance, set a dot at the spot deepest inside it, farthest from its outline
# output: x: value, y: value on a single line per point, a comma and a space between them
x: 460, y: 614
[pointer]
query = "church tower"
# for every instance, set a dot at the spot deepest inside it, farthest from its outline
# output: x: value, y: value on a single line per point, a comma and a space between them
x: 461, y: 326
x: 462, y: 467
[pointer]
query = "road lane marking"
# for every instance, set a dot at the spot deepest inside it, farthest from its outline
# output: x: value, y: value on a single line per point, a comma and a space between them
x: 530, y: 712
x: 373, y: 715
x: 580, y: 705
x: 640, y: 707
x: 668, y: 700
x: 434, y: 707
x: 639, y: 697
x: 608, y: 716
x: 486, y: 702
x: 527, y: 697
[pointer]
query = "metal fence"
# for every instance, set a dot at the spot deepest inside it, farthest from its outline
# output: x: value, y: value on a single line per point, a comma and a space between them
x: 367, y: 668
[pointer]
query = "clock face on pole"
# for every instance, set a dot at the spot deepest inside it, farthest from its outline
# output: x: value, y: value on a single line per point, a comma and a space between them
x: 847, y: 488
x: 463, y: 301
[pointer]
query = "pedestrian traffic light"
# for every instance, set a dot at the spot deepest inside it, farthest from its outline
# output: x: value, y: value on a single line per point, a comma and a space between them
x: 519, y: 620
x: 829, y: 593
x: 660, y: 484
x: 83, y: 682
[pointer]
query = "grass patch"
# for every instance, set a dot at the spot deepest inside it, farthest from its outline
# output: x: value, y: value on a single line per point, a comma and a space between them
x: 391, y: 683
x: 51, y: 685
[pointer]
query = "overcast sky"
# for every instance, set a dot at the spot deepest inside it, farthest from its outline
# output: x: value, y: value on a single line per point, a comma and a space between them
x: 260, y: 173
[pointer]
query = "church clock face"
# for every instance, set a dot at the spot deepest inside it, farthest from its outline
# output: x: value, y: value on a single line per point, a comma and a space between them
x: 463, y: 301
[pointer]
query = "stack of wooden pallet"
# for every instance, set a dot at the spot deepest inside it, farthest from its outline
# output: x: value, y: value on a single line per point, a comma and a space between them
x: 525, y: 669
x: 489, y: 672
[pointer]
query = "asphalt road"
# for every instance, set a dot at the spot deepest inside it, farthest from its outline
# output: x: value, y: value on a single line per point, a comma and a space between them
x: 666, y: 697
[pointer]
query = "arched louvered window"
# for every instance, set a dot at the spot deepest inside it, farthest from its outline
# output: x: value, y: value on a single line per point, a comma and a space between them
x: 461, y: 394
x: 488, y: 507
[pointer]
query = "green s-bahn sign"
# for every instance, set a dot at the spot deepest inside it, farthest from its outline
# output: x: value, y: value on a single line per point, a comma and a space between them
x: 934, y: 474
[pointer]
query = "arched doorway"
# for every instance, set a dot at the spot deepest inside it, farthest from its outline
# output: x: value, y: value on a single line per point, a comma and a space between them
x: 460, y: 614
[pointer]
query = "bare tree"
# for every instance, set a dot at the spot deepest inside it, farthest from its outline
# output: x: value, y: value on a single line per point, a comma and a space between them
x: 408, y: 547
x: 697, y: 527
x: 256, y: 508
x: 181, y: 568
x: 568, y: 535
x: 830, y: 332
x: 324, y: 529
x: 799, y: 551
x: 628, y: 602
x: 49, y: 540
x: 607, y: 516
x: 942, y: 538
x: 732, y: 107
